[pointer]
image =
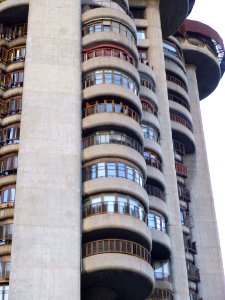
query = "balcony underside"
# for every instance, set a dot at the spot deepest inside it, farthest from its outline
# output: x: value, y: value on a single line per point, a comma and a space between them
x: 116, y: 277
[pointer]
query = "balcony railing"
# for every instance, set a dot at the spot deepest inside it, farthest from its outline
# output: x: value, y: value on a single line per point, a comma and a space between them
x: 184, y: 194
x: 111, y: 138
x: 153, y: 163
x: 116, y: 246
x: 108, y: 52
x: 10, y: 106
x: 148, y: 85
x: 13, y: 32
x: 161, y: 294
x: 155, y: 192
x: 190, y: 246
x: 193, y: 272
x: 115, y: 208
x: 181, y: 120
x: 179, y: 147
x: 179, y: 100
x: 177, y: 81
x: 180, y: 169
x: 111, y: 108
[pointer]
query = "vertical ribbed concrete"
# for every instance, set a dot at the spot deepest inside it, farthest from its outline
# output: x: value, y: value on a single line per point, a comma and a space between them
x: 156, y: 57
x: 205, y: 233
x: 46, y: 239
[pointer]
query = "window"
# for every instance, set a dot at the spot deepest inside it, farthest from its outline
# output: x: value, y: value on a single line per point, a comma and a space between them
x: 114, y: 203
x: 8, y: 165
x: 107, y: 26
x: 6, y: 233
x: 4, y: 292
x: 156, y: 221
x: 4, y: 270
x: 7, y: 196
x: 150, y: 132
x: 9, y: 135
x: 138, y: 12
x: 141, y: 35
x: 11, y: 106
x: 161, y: 269
x: 152, y: 159
x: 110, y: 77
x: 113, y: 169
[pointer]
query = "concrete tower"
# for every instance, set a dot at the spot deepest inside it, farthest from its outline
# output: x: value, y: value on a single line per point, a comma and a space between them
x: 104, y: 181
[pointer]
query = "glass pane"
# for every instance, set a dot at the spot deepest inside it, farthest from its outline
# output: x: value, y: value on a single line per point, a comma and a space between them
x: 101, y: 170
x: 111, y: 169
x: 121, y: 170
x: 12, y: 194
x: 5, y: 196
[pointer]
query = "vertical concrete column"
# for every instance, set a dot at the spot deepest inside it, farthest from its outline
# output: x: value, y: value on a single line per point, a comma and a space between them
x: 46, y: 237
x: 156, y: 56
x: 208, y: 259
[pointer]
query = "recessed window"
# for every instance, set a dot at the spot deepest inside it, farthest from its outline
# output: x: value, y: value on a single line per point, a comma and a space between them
x: 161, y: 269
x: 141, y: 34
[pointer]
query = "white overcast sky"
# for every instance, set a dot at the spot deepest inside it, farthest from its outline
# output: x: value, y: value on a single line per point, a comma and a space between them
x: 213, y: 115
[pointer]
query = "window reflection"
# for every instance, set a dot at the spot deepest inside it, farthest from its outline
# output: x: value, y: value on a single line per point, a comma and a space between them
x: 156, y: 221
x: 113, y: 169
x: 113, y: 203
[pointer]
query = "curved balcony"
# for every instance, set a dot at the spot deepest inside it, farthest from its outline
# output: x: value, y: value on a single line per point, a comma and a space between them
x: 149, y: 106
x: 145, y: 68
x: 149, y: 94
x: 113, y: 145
x: 151, y: 144
x: 172, y: 15
x: 108, y: 50
x: 11, y: 106
x: 155, y: 192
x: 182, y: 131
x: 181, y: 169
x: 112, y: 184
x: 161, y: 244
x: 180, y: 109
x: 10, y: 33
x: 155, y: 174
x: 203, y: 47
x: 112, y: 265
x: 175, y: 66
x: 126, y: 224
x: 118, y: 5
x: 111, y: 63
x: 111, y: 107
x: 178, y: 99
x: 7, y: 212
x: 110, y: 91
x: 176, y: 80
x: 148, y: 117
x: 125, y: 22
x: 113, y: 120
x: 157, y: 204
x: 12, y: 80
x: 8, y: 165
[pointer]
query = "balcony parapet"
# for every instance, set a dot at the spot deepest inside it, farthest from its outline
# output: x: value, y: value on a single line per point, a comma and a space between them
x: 116, y: 246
